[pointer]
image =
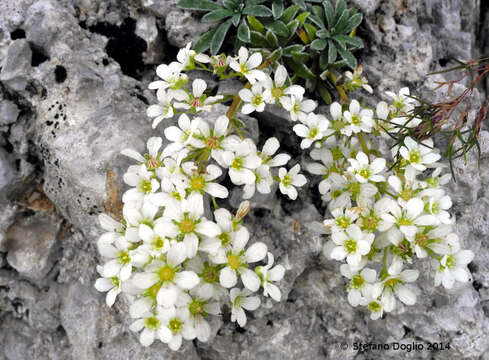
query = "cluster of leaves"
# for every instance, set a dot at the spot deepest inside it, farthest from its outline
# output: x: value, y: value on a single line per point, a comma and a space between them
x: 316, y: 40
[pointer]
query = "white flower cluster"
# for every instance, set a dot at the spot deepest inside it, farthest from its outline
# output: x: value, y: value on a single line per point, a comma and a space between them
x: 384, y: 215
x: 176, y: 263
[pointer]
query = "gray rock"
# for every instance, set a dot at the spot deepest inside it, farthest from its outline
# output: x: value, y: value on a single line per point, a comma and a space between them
x: 31, y: 245
x: 7, y: 171
x: 182, y: 28
x: 8, y: 112
x: 17, y: 65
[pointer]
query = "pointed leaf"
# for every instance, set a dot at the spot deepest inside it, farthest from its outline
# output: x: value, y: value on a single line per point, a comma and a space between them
x: 323, y: 33
x: 292, y: 27
x: 356, y: 42
x: 311, y: 30
x: 329, y: 13
x: 257, y: 10
x: 235, y: 19
x: 219, y: 36
x: 279, y: 28
x: 318, y: 44
x: 230, y: 4
x: 341, y: 23
x: 255, y: 24
x: 348, y: 58
x: 204, y: 42
x: 325, y: 95
x: 316, y: 21
x: 272, y: 39
x: 339, y: 9
x: 318, y: 11
x: 301, y: 3
x: 332, y: 52
x: 277, y: 9
x: 300, y: 69
x: 323, y: 61
x: 217, y: 15
x: 289, y: 13
x: 198, y: 5
x: 273, y: 57
x: 244, y: 32
x: 301, y: 57
x: 293, y: 49
x: 353, y: 22
x: 302, y: 17
x: 258, y: 39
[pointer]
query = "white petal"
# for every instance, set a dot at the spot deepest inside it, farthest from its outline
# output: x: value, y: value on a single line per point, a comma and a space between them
x: 186, y: 279
x: 256, y: 252
x: 250, y: 280
x: 227, y: 277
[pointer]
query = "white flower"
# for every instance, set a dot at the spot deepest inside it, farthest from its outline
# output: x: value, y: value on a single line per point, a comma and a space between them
x: 151, y: 326
x: 164, y: 108
x: 215, y: 139
x: 199, y: 309
x: 291, y: 179
x: 268, y: 151
x: 419, y: 155
x: 254, y: 99
x: 402, y: 102
x: 263, y: 182
x: 197, y: 101
x: 121, y: 259
x: 143, y: 180
x: 181, y: 136
x: 203, y: 181
x: 236, y: 262
x: 351, y: 245
x: 358, y: 119
x: 324, y: 168
x: 240, y: 301
x: 297, y: 107
x: 171, y: 76
x: 177, y: 321
x: 359, y: 283
x: 186, y: 57
x: 406, y: 219
x: 110, y: 285
x: 343, y: 218
x: 268, y: 275
x: 277, y: 87
x: 185, y: 222
x: 394, y: 285
x: 453, y: 267
x: 356, y: 80
x: 152, y: 159
x: 364, y: 171
x: 371, y: 300
x: 168, y: 275
x: 314, y: 127
x: 241, y: 162
x: 247, y: 65
x: 437, y: 204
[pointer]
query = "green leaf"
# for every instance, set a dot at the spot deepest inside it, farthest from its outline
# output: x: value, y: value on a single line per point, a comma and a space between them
x: 257, y: 10
x: 204, y: 42
x: 217, y: 15
x: 289, y: 13
x: 219, y: 36
x: 332, y: 52
x: 301, y: 57
x: 302, y: 17
x: 198, y: 5
x: 258, y: 39
x: 279, y: 28
x: 273, y: 57
x: 235, y: 19
x: 341, y: 23
x: 356, y: 42
x: 316, y: 21
x: 348, y: 58
x: 323, y: 33
x: 272, y: 39
x: 277, y: 9
x: 325, y: 95
x: 339, y: 41
x: 329, y: 12
x: 339, y: 9
x: 230, y: 4
x: 323, y: 61
x: 311, y: 30
x: 255, y: 24
x: 292, y: 27
x: 244, y: 32
x: 318, y: 44
x: 353, y: 22
x: 301, y: 4
x: 300, y: 69
x: 318, y: 11
x: 293, y: 49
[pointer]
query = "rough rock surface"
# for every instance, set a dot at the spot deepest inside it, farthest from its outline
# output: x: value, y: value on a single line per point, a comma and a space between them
x: 72, y: 95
